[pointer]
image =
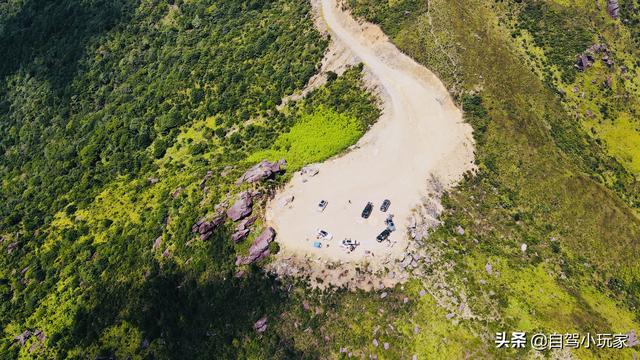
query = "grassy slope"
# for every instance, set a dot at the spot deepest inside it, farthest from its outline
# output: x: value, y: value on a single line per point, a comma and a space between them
x: 538, y: 185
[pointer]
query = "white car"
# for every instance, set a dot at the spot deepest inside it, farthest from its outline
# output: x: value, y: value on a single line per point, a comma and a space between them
x: 322, y: 205
x: 323, y: 235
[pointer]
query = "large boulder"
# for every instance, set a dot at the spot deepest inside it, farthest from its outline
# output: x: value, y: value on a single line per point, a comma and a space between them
x: 259, y: 249
x: 242, y: 207
x: 261, y: 171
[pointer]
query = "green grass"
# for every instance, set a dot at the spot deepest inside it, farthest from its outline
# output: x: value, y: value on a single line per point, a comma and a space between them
x: 313, y: 138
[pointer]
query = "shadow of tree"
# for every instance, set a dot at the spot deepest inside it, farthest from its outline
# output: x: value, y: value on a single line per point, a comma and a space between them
x: 180, y: 313
x: 48, y: 37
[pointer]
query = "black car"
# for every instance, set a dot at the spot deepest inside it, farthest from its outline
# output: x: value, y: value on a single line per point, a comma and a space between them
x: 367, y: 210
x: 385, y: 205
x: 384, y: 235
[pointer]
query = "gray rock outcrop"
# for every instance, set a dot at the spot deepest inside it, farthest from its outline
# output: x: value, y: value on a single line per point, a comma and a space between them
x: 261, y: 171
x: 239, y: 235
x: 242, y: 207
x: 259, y: 249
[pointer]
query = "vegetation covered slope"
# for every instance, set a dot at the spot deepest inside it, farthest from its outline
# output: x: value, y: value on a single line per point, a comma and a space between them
x: 111, y: 115
x: 543, y: 181
x: 99, y: 97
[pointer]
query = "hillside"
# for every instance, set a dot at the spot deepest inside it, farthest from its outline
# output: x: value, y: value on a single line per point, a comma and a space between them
x: 125, y: 125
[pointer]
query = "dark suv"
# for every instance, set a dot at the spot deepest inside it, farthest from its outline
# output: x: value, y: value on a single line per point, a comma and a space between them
x: 384, y: 235
x: 385, y: 205
x: 367, y: 210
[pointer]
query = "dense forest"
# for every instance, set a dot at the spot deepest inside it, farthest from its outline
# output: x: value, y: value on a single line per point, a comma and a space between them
x: 107, y: 108
x: 113, y: 113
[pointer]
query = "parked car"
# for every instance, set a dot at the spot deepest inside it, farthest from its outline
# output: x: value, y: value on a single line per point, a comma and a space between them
x: 317, y: 244
x: 384, y: 235
x: 322, y: 205
x: 324, y: 235
x: 389, y: 222
x: 385, y: 205
x: 367, y: 210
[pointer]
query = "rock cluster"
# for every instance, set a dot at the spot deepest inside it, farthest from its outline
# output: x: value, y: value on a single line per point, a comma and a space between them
x: 584, y: 62
x: 587, y: 59
x: 261, y: 171
x: 25, y: 335
x: 205, y: 228
x: 259, y: 249
x: 243, y: 228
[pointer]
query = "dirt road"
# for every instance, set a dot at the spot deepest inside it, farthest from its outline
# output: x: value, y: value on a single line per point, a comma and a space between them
x: 420, y: 134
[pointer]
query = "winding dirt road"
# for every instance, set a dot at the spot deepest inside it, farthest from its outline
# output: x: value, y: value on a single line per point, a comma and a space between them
x: 420, y: 134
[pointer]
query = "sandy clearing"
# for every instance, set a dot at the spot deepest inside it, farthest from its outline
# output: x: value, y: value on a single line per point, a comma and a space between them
x: 420, y: 135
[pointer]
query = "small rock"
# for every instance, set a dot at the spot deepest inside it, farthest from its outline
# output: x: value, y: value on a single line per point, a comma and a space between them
x: 422, y: 293
x: 416, y: 329
x: 153, y: 181
x: 405, y: 300
x: 204, y: 180
x: 261, y: 325
x: 632, y: 339
x: 12, y: 247
x: 459, y: 230
x: 488, y: 268
x: 523, y: 247
x: 383, y: 295
x: 375, y: 342
x: 386, y: 346
x: 176, y: 192
x: 306, y: 306
x: 166, y: 253
x: 157, y: 242
x: 450, y: 315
